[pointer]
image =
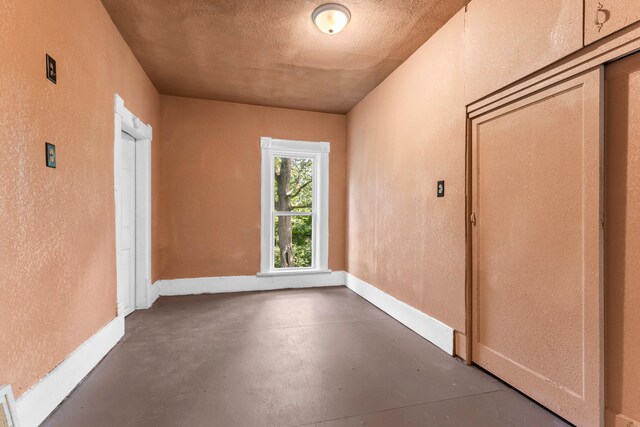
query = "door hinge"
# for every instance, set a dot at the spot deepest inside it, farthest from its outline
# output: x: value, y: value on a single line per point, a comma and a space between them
x: 473, y: 219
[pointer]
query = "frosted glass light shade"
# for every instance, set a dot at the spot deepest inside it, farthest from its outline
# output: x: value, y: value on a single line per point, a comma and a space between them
x: 331, y: 18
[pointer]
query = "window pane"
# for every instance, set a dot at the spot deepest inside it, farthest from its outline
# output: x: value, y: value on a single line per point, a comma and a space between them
x: 293, y: 241
x: 293, y: 186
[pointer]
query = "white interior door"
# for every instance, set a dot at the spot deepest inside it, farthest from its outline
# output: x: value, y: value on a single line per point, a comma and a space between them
x: 126, y: 222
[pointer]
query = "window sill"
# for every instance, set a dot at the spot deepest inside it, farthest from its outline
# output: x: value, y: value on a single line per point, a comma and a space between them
x: 292, y: 273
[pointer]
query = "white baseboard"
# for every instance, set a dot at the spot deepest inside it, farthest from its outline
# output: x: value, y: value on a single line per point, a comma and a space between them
x: 40, y: 400
x: 154, y: 293
x: 427, y: 327
x: 226, y: 284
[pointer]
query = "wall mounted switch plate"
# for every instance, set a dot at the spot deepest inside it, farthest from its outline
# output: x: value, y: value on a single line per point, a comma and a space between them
x: 51, y: 155
x: 51, y: 69
x: 440, y: 188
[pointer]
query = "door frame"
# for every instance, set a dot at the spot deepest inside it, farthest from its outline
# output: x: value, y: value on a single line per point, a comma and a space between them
x: 127, y: 122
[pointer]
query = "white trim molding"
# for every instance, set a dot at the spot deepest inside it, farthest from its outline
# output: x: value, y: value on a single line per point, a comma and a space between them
x: 424, y: 325
x: 289, y: 145
x: 319, y: 152
x: 8, y: 405
x: 229, y: 284
x: 39, y: 401
x: 143, y: 134
x: 154, y: 293
x: 130, y: 123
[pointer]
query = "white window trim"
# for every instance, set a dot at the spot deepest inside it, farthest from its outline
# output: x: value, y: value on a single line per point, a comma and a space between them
x: 319, y: 151
x: 143, y: 133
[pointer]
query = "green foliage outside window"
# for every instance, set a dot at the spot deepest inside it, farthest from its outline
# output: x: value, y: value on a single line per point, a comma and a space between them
x: 293, y: 192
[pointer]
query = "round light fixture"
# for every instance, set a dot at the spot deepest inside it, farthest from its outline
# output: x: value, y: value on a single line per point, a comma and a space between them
x: 331, y: 18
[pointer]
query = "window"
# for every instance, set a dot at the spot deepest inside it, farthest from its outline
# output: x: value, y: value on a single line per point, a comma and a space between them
x: 295, y: 202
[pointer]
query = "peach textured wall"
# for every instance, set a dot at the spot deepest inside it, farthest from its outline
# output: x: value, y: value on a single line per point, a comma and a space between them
x: 57, y: 226
x: 404, y: 137
x: 210, y: 183
x: 505, y: 40
x: 410, y: 132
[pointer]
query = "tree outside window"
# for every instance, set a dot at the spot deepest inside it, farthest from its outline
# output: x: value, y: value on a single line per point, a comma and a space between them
x: 293, y: 198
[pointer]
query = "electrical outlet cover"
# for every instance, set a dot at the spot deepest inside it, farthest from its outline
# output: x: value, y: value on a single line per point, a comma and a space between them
x: 51, y: 155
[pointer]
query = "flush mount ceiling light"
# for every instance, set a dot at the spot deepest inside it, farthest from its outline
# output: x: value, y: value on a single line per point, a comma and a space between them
x: 331, y: 18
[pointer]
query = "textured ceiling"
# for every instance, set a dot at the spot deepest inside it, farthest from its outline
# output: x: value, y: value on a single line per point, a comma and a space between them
x: 268, y: 52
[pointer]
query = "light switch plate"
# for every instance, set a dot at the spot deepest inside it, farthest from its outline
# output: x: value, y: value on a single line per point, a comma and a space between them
x: 51, y: 70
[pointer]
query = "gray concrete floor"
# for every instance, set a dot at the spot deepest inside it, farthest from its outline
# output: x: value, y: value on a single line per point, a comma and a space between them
x: 322, y: 357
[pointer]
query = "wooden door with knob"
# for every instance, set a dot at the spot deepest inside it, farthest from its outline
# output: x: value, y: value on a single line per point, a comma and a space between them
x: 537, y: 246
